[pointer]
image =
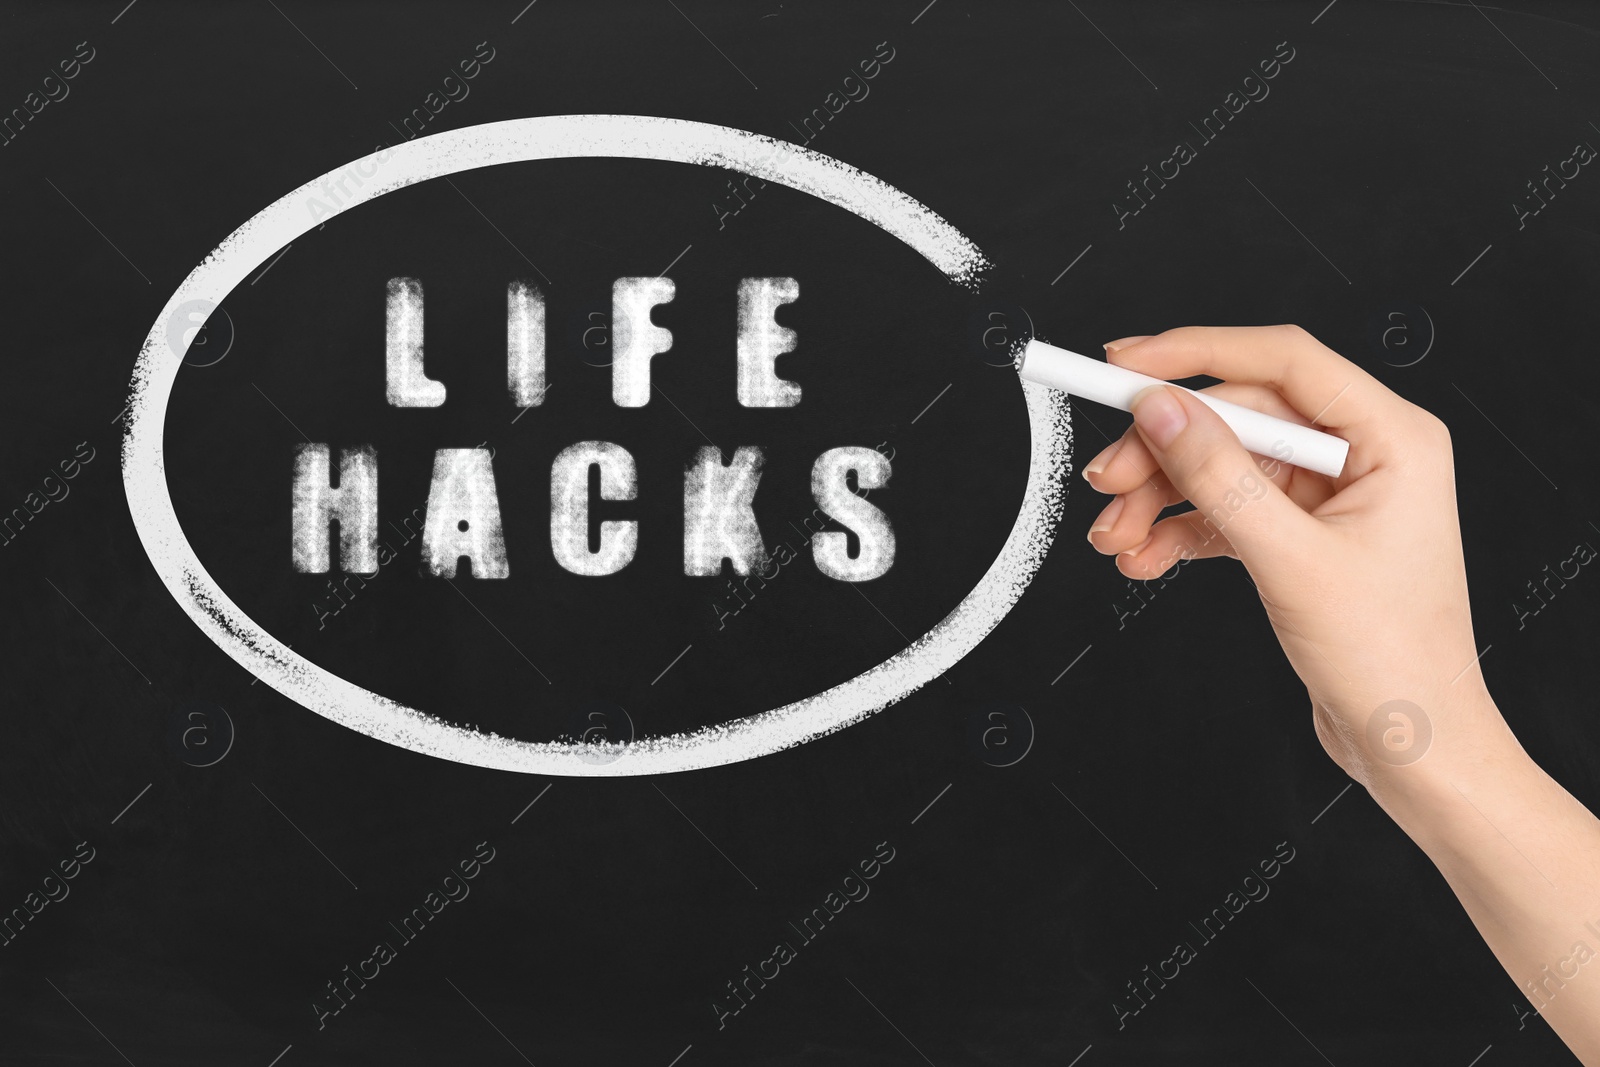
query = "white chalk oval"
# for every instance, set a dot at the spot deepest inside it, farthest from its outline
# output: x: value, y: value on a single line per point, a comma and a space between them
x: 567, y: 137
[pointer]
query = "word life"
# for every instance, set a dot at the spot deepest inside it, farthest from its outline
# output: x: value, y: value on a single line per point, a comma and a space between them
x: 463, y: 519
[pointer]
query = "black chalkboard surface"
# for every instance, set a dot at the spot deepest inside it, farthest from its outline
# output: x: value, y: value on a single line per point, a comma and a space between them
x: 199, y: 869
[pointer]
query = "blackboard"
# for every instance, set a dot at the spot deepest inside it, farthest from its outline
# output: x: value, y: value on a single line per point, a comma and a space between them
x: 984, y: 871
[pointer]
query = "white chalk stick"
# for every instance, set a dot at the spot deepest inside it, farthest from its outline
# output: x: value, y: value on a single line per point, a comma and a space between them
x: 1106, y: 383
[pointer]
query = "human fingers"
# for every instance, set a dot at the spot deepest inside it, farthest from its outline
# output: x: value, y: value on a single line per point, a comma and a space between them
x: 1126, y: 521
x: 1127, y: 463
x: 1177, y: 537
x: 1319, y: 384
x: 1204, y: 460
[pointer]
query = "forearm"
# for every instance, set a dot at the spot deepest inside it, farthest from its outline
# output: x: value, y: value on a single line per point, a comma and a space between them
x: 1521, y: 854
x: 1365, y: 584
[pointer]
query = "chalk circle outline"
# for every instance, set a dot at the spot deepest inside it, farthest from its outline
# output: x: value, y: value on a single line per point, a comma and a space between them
x: 568, y: 137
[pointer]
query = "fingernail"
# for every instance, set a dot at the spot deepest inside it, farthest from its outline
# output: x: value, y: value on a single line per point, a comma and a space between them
x: 1124, y: 342
x: 1140, y: 547
x: 1107, y: 519
x: 1159, y: 414
x: 1097, y: 466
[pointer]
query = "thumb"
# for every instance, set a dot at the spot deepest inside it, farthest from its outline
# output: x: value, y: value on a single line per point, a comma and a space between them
x: 1204, y: 460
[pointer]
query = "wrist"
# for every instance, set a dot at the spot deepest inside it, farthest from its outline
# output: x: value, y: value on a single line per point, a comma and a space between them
x: 1470, y: 752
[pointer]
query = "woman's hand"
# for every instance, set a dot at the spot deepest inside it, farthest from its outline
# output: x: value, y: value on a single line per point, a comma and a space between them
x: 1363, y: 579
x: 1361, y: 575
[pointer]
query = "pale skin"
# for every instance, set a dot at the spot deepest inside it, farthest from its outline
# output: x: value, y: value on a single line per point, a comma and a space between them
x: 1363, y: 579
